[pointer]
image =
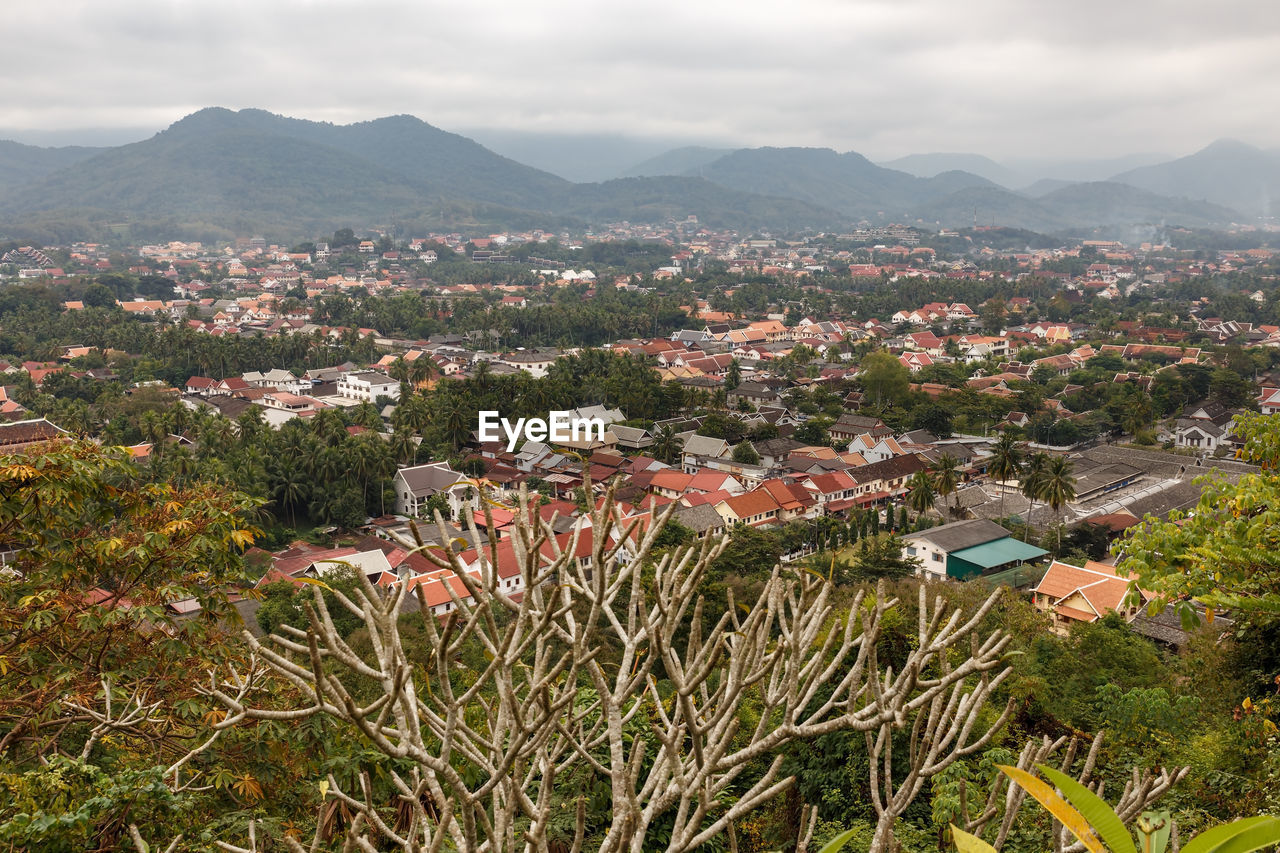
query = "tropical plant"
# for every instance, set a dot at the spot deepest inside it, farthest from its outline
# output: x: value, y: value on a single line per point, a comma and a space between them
x: 1032, y: 482
x: 1099, y: 828
x: 921, y: 492
x: 946, y: 473
x: 1058, y: 488
x: 1006, y: 462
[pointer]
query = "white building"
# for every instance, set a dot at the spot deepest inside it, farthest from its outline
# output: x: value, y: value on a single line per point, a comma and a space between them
x: 367, y: 386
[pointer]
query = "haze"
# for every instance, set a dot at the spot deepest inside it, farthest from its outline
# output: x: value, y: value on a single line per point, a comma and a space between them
x: 1000, y: 77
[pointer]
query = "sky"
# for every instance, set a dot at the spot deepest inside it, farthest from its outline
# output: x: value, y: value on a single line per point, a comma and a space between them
x: 1005, y: 78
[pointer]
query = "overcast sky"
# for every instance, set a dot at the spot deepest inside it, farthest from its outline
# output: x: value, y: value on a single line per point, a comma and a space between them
x: 999, y: 77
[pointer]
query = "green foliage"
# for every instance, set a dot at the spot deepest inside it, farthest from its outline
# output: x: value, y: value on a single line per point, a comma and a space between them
x: 1094, y: 823
x: 1224, y: 552
x: 883, y: 378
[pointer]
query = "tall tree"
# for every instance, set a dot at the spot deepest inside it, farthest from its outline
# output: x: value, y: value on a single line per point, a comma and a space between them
x: 1033, y: 482
x: 1058, y: 488
x: 946, y: 473
x: 667, y: 443
x: 921, y: 493
x: 1006, y: 462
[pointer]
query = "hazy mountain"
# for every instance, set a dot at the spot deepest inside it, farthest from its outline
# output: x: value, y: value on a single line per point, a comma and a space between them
x: 252, y: 170
x: 446, y: 163
x: 576, y: 157
x: 1079, y: 170
x: 1072, y: 206
x: 678, y: 161
x: 1227, y: 172
x: 929, y: 165
x: 1044, y: 186
x: 656, y: 199
x: 223, y: 172
x: 22, y: 164
x: 849, y: 183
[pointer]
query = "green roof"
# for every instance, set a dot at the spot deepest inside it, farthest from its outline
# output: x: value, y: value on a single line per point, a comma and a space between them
x: 998, y: 553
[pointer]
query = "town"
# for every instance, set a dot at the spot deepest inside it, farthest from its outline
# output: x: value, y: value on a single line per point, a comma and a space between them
x: 815, y: 389
x: 973, y: 411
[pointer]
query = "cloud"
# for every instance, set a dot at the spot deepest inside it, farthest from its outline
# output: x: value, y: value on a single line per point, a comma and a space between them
x: 1003, y: 77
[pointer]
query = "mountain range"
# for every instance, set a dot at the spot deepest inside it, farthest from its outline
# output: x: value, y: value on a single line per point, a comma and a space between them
x: 219, y: 173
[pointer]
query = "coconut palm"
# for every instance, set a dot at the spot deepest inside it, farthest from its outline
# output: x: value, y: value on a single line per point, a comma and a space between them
x: 946, y: 474
x: 1058, y: 487
x: 1006, y: 462
x: 1033, y: 481
x: 921, y: 493
x: 666, y: 443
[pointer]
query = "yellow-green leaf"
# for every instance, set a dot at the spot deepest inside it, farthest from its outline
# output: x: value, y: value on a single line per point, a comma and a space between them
x: 967, y: 843
x: 1058, y: 807
x: 839, y: 841
x: 1235, y: 837
x: 1101, y: 817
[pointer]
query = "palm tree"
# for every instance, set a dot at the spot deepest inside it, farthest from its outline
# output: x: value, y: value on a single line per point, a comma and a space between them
x: 403, y: 447
x: 1033, y: 481
x: 1006, y: 462
x: 921, y: 493
x: 946, y: 472
x: 667, y: 443
x: 1058, y: 487
x: 290, y: 490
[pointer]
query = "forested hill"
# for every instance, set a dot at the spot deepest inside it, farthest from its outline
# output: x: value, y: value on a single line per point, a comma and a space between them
x: 219, y: 173
x: 232, y: 172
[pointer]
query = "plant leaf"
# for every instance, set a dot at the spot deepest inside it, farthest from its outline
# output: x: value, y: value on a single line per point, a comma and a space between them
x: 1157, y: 840
x: 967, y: 843
x: 1265, y: 834
x: 1058, y: 807
x: 1105, y: 822
x: 838, y: 843
x: 1215, y: 840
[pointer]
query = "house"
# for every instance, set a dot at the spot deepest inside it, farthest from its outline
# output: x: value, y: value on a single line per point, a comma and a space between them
x: 833, y: 492
x: 281, y: 380
x: 536, y: 364
x: 755, y: 508
x: 700, y: 445
x: 793, y: 499
x: 848, y: 427
x: 754, y: 393
x: 416, y: 485
x: 17, y: 436
x: 367, y: 386
x: 1204, y: 426
x: 964, y: 549
x: 884, y: 479
x: 1084, y: 594
x: 703, y: 520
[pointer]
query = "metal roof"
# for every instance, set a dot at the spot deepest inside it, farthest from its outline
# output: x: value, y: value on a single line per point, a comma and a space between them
x: 999, y: 553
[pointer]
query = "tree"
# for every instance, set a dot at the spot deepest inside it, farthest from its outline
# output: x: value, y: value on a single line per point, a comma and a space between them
x: 1005, y: 463
x: 1058, y: 488
x: 884, y: 380
x: 558, y: 717
x: 1230, y: 389
x: 993, y: 316
x: 921, y: 492
x: 1033, y: 481
x: 667, y: 443
x: 745, y: 454
x: 946, y: 474
x: 733, y: 376
x: 934, y: 418
x: 1222, y: 553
